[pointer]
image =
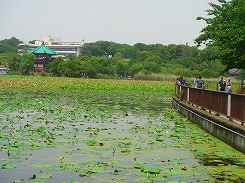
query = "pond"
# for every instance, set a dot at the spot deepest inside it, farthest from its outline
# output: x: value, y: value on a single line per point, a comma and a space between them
x: 88, y: 135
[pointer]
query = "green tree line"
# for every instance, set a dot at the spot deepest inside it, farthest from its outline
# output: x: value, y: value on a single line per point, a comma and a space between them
x: 109, y: 59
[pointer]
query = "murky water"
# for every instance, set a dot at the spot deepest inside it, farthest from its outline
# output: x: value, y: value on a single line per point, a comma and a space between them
x: 109, y: 137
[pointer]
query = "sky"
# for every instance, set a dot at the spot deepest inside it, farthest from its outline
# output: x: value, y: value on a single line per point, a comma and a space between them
x: 121, y: 21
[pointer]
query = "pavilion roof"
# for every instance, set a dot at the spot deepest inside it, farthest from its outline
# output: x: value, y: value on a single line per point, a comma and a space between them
x: 42, y: 50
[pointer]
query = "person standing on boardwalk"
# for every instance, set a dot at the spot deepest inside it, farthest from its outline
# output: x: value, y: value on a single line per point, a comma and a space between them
x: 200, y: 82
x: 178, y: 81
x: 222, y: 84
x: 182, y: 81
x: 228, y: 85
x: 195, y: 82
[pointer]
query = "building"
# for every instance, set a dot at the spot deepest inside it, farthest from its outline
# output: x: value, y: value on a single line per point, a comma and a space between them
x: 3, y: 69
x: 63, y: 49
x: 43, y: 57
x: 233, y: 72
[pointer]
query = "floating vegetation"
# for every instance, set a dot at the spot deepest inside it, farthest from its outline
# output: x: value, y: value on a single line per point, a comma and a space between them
x: 91, y: 143
x: 83, y: 130
x: 8, y: 165
x: 153, y: 171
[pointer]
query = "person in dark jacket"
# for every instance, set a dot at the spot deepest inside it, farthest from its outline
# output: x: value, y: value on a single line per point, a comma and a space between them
x: 200, y: 82
x: 222, y: 84
x: 182, y: 81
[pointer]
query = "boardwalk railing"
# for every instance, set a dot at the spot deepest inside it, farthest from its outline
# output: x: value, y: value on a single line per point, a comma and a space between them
x: 229, y: 104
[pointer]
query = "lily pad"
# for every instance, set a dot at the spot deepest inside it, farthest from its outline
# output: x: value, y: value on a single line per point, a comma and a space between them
x: 91, y: 142
x: 44, y: 175
x: 152, y: 170
x: 41, y: 129
x: 8, y: 166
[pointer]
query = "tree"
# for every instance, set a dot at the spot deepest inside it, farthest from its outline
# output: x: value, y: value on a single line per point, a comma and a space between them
x: 142, y: 55
x: 9, y: 45
x: 135, y: 68
x: 103, y: 65
x: 122, y: 68
x: 226, y: 29
x: 27, y: 63
x: 70, y: 68
x: 153, y: 58
x: 209, y: 73
x: 151, y: 66
x: 203, y: 65
x: 127, y: 51
x: 185, y: 61
x: 54, y: 65
x: 10, y: 60
x: 88, y: 69
x: 210, y: 52
x: 140, y: 46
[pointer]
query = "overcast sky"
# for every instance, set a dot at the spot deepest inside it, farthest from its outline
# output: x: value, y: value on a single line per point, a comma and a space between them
x: 120, y: 21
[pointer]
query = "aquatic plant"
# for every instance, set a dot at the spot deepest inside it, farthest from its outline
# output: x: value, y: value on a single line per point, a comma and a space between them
x: 104, y: 131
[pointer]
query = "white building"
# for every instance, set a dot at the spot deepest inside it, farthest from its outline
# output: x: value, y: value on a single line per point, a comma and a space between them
x: 54, y: 43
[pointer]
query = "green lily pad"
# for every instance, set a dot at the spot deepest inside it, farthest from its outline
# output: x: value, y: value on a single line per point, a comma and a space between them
x: 91, y: 142
x: 41, y: 129
x: 175, y: 135
x: 125, y: 150
x: 139, y: 162
x: 96, y: 170
x: 44, y: 175
x: 37, y: 181
x: 152, y: 170
x: 8, y: 166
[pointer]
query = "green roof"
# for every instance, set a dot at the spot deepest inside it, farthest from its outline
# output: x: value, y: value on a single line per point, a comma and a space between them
x: 42, y: 50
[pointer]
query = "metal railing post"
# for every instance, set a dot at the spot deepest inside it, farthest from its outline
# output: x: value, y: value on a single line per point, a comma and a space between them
x: 229, y: 105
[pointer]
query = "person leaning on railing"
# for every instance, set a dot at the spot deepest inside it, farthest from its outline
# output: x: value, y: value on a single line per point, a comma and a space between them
x: 228, y: 85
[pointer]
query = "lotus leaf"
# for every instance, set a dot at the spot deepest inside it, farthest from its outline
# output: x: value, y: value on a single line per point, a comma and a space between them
x: 175, y: 135
x: 8, y: 166
x: 70, y: 110
x: 142, y: 168
x: 73, y: 181
x: 36, y: 181
x: 125, y: 150
x: 44, y: 175
x: 96, y: 170
x: 152, y: 170
x: 41, y: 129
x: 91, y: 143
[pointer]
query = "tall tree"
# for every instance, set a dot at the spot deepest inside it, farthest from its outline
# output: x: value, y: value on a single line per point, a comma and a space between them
x: 54, y: 65
x: 122, y: 68
x: 27, y: 63
x: 226, y: 29
x: 9, y: 45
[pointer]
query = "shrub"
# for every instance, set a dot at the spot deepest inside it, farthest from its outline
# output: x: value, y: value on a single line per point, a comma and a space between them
x: 13, y: 73
x: 103, y: 76
x: 44, y: 73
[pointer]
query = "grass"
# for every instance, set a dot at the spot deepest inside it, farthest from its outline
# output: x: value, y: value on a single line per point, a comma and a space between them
x: 210, y: 83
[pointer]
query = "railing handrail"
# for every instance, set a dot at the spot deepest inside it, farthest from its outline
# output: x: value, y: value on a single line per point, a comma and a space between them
x: 220, y: 102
